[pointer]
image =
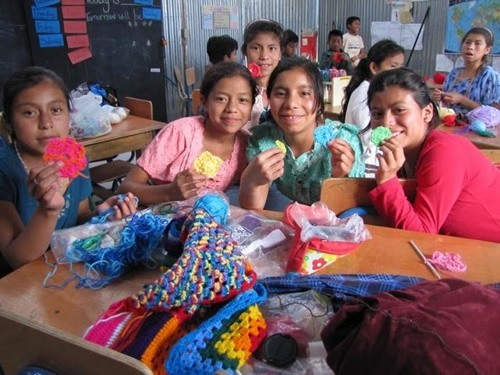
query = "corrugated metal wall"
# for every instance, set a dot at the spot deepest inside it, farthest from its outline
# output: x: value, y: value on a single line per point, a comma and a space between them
x: 297, y: 15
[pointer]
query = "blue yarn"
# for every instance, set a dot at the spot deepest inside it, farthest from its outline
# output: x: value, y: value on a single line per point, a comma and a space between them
x: 215, y: 205
x: 136, y: 244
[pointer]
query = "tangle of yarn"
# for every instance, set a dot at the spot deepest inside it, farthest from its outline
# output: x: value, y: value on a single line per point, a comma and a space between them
x: 136, y: 244
x: 448, y: 261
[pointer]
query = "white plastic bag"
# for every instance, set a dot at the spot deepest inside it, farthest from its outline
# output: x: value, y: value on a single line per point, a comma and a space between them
x: 88, y: 119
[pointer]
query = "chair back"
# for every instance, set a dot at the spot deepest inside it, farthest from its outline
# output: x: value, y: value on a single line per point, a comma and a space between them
x: 139, y: 107
x: 196, y: 96
x: 26, y: 343
x: 340, y: 194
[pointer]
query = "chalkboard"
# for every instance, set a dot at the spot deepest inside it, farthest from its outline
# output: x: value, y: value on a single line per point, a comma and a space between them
x: 124, y: 38
x: 14, y: 44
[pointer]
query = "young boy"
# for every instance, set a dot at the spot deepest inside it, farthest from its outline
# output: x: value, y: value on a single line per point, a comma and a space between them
x: 290, y: 43
x: 335, y: 57
x: 353, y: 42
x: 222, y: 48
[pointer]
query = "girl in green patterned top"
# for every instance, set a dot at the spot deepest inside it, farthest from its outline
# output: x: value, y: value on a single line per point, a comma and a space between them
x: 295, y: 93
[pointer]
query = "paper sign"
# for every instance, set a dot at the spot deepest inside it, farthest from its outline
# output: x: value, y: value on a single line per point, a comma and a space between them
x: 79, y: 55
x: 45, y: 3
x: 76, y: 41
x: 73, y: 12
x: 143, y: 2
x: 75, y: 27
x: 47, y: 27
x: 51, y: 40
x: 44, y: 13
x: 73, y: 2
x: 151, y: 14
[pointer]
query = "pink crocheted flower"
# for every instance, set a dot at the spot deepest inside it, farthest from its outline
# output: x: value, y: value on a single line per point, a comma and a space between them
x: 255, y: 70
x: 68, y: 151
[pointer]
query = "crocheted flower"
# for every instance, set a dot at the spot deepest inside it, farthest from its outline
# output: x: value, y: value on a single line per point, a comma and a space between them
x: 255, y: 70
x: 337, y: 57
x: 281, y: 146
x: 379, y: 135
x: 68, y: 151
x: 208, y: 164
x: 324, y: 134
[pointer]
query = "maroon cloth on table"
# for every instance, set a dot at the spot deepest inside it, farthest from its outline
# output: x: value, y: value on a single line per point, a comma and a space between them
x: 437, y: 327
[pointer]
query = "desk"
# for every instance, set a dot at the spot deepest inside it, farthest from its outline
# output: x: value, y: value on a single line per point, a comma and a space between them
x: 132, y: 134
x: 479, y: 141
x: 332, y: 112
x: 73, y: 310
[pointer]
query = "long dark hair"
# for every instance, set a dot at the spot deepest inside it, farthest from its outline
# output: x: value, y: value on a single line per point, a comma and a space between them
x: 379, y: 52
x: 410, y: 81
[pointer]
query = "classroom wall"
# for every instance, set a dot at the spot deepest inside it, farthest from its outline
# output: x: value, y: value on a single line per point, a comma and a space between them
x: 297, y: 15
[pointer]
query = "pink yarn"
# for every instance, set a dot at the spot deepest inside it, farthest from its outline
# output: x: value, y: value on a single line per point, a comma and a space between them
x: 448, y: 261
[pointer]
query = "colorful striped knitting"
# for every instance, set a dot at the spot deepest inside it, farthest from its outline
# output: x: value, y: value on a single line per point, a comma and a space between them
x: 223, y: 342
x: 211, y: 269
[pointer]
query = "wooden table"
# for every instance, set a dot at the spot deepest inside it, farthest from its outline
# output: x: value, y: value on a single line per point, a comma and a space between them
x: 73, y: 310
x: 332, y: 112
x: 479, y: 141
x: 132, y: 134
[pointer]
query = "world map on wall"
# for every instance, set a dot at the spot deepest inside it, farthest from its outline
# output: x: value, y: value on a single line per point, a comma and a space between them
x: 465, y: 14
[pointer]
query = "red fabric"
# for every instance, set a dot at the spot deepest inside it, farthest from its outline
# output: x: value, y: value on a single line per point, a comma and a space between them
x: 457, y: 192
x: 437, y: 327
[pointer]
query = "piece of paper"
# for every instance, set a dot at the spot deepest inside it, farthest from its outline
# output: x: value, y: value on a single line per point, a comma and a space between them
x: 46, y: 13
x: 77, y: 41
x: 73, y: 2
x: 144, y: 2
x: 50, y: 40
x: 403, y: 34
x: 79, y: 55
x: 443, y: 63
x: 75, y: 27
x: 73, y: 12
x: 45, y: 3
x: 47, y: 27
x: 151, y: 14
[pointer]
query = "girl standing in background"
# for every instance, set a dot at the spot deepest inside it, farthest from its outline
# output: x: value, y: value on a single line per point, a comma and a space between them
x: 262, y: 46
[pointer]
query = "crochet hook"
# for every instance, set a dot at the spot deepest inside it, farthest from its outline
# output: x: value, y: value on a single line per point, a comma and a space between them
x: 424, y: 259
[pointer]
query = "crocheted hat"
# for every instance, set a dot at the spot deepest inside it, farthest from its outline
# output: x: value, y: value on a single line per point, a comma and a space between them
x: 223, y: 342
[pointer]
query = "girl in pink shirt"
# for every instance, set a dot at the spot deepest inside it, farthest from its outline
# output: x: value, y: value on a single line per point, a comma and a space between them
x: 457, y: 187
x: 171, y: 167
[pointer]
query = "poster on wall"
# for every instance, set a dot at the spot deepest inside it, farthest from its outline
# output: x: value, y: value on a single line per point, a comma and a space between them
x: 465, y: 14
x: 220, y: 17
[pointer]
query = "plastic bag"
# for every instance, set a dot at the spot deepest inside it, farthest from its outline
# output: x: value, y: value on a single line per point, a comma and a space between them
x: 88, y: 119
x: 490, y: 116
x: 320, y: 236
x: 263, y: 241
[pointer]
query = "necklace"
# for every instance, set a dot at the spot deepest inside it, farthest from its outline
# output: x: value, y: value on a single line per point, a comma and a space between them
x: 26, y: 169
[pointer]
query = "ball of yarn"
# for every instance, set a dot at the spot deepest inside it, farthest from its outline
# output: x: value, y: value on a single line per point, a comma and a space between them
x: 215, y: 205
x: 477, y: 126
x: 439, y: 78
